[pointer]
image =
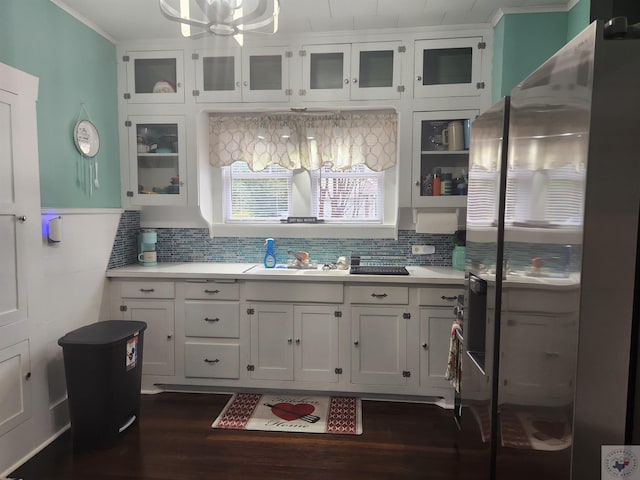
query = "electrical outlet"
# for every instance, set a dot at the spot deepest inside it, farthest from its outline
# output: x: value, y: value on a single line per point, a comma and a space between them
x: 422, y: 249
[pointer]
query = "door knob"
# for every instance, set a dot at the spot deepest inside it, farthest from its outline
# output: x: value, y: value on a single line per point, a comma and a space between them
x: 21, y: 218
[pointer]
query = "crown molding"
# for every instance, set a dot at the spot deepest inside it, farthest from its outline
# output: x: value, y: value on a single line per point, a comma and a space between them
x: 501, y: 12
x: 81, y: 18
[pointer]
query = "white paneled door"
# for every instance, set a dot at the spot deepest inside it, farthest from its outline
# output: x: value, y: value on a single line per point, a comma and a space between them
x: 19, y: 242
x: 12, y: 289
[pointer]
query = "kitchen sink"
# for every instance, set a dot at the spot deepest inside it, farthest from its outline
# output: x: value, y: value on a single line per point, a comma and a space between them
x: 325, y: 272
x: 260, y: 270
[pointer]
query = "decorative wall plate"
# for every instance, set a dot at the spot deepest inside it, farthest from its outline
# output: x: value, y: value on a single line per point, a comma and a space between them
x: 86, y: 138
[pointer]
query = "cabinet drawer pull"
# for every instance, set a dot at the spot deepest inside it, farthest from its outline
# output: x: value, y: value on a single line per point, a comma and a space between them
x: 211, y: 320
x: 444, y: 297
x: 147, y: 290
x: 212, y: 291
x: 379, y: 295
x: 206, y: 360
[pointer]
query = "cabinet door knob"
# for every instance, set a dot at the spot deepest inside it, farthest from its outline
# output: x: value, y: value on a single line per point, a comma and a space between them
x: 355, y: 80
x: 418, y: 78
x: 424, y: 345
x: 237, y: 84
x: 346, y: 81
x: 298, y: 341
x: 289, y: 340
x: 417, y: 183
x: 21, y: 218
x: 169, y: 337
x: 245, y: 83
x: 356, y: 343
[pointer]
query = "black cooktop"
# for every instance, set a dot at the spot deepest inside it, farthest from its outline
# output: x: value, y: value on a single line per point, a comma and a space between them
x: 378, y: 270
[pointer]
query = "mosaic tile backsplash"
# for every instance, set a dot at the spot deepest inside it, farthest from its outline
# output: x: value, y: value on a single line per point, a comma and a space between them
x: 195, y: 245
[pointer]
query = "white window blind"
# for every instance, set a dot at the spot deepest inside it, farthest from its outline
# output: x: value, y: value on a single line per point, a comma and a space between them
x: 482, y: 199
x: 256, y: 196
x: 355, y: 195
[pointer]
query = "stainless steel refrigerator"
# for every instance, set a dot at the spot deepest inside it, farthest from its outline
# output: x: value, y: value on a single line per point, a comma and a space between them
x: 551, y: 316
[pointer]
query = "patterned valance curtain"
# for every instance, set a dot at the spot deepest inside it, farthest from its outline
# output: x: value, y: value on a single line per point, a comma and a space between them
x: 306, y: 140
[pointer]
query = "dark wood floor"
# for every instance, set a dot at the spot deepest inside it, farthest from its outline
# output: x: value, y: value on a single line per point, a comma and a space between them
x: 174, y: 440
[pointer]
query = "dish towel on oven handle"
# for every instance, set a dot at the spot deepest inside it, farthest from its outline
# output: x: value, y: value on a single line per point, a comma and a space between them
x: 454, y: 369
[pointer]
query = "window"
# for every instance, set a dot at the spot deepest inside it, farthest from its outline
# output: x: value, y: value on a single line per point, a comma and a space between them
x: 326, y: 165
x: 256, y: 196
x: 352, y: 196
x: 355, y: 195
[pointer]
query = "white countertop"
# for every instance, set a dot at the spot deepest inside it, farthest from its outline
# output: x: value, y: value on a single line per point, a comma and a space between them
x: 252, y: 271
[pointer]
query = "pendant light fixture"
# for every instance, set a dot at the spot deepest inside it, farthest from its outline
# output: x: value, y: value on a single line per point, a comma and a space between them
x: 225, y: 18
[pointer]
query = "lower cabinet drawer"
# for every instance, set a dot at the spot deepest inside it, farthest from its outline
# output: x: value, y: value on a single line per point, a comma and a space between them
x: 212, y: 360
x: 439, y: 296
x: 212, y: 319
x: 146, y: 289
x: 379, y: 294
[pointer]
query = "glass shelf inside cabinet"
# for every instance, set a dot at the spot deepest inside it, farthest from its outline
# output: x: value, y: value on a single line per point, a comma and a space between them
x: 158, y: 159
x: 444, y: 160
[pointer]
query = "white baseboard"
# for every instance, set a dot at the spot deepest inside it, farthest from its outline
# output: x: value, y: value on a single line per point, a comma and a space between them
x: 35, y: 451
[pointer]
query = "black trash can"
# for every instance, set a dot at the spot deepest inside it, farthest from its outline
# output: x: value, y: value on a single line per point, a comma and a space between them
x: 103, y: 366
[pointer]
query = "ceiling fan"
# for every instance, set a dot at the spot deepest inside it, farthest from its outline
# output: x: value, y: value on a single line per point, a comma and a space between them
x: 227, y: 18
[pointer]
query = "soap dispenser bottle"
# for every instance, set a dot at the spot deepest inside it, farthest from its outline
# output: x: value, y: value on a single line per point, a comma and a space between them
x: 269, y: 256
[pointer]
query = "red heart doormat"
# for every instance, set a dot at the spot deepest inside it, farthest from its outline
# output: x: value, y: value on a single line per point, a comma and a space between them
x: 292, y: 413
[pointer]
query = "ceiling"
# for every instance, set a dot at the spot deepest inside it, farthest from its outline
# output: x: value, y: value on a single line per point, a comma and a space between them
x: 126, y: 20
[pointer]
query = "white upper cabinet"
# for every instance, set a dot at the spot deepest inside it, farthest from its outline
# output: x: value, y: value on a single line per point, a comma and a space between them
x: 218, y: 75
x: 242, y: 75
x: 448, y: 67
x: 265, y: 72
x: 157, y: 160
x: 154, y: 77
x: 359, y: 71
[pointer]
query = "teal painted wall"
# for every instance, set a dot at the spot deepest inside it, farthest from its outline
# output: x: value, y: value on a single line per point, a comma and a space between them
x: 75, y: 65
x: 578, y: 18
x: 522, y: 43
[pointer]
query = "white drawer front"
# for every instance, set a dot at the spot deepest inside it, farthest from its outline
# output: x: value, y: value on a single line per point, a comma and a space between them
x: 439, y: 296
x: 212, y: 319
x: 147, y: 289
x: 212, y: 360
x: 212, y: 290
x: 379, y: 294
x: 275, y: 291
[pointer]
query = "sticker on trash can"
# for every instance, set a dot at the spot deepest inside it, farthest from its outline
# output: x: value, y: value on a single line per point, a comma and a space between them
x: 132, y: 352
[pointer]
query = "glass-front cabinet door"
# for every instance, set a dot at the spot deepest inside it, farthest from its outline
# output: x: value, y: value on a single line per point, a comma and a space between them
x: 375, y: 71
x: 359, y: 71
x: 157, y: 160
x: 154, y: 77
x: 448, y: 67
x: 265, y: 73
x: 441, y: 158
x: 218, y: 75
x: 326, y: 72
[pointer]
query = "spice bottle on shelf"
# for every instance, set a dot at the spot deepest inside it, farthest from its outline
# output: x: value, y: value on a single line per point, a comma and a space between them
x: 426, y: 189
x: 445, y: 184
x: 437, y: 182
